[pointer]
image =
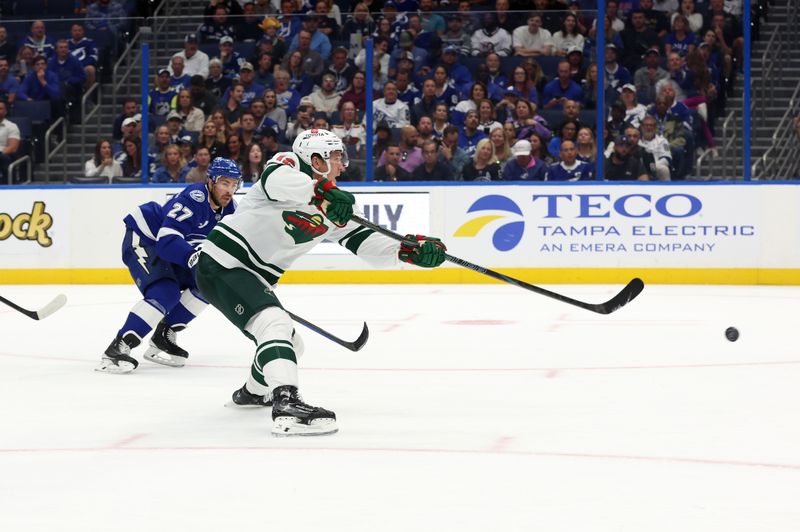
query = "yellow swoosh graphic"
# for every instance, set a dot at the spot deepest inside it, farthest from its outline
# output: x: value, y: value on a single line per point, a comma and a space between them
x: 472, y: 227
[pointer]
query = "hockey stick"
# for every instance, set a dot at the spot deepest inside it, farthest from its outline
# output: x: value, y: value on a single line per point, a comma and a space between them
x: 631, y: 290
x: 352, y: 346
x: 59, y: 301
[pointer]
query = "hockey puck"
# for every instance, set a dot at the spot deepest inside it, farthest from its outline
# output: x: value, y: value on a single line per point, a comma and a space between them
x: 732, y: 334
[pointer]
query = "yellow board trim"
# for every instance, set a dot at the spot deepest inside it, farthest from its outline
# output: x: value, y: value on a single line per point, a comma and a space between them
x: 740, y: 276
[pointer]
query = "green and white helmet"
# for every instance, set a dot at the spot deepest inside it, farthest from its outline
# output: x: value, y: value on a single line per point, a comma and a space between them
x: 321, y: 142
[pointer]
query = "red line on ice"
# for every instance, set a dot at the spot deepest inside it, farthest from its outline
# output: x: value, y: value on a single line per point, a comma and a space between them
x: 490, y: 451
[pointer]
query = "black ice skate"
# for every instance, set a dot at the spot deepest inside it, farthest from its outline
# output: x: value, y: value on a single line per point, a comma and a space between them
x: 163, y: 349
x: 117, y: 357
x: 292, y: 417
x: 242, y: 397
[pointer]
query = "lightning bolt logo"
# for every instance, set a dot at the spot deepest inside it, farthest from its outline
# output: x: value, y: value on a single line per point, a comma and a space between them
x: 141, y: 253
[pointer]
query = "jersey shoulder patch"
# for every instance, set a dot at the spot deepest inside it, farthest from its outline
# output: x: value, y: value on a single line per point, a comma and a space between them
x: 198, y: 195
x: 287, y: 158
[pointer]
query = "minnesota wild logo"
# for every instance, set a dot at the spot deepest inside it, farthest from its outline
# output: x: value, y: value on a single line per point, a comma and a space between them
x: 303, y: 227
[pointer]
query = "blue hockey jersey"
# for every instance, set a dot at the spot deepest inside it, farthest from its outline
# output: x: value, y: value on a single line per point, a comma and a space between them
x: 177, y: 228
x: 84, y: 51
x: 579, y: 171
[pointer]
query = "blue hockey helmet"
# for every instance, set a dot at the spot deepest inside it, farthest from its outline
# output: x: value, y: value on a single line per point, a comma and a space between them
x: 222, y: 167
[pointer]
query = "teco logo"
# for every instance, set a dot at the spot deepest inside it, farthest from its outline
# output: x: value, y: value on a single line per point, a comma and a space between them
x: 507, y: 236
x: 26, y: 226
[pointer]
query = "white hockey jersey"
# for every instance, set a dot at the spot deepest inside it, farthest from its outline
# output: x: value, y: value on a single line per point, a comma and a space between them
x: 396, y: 115
x: 276, y: 223
x: 658, y: 146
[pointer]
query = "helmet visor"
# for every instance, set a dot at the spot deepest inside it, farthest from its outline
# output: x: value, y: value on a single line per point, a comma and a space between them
x: 340, y: 156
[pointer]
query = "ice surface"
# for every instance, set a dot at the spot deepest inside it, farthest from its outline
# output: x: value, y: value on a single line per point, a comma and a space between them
x: 472, y: 408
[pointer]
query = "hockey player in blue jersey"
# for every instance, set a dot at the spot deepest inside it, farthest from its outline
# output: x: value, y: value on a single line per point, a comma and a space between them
x: 159, y: 249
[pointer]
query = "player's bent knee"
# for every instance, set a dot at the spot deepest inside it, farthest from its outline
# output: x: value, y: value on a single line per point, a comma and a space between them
x: 270, y: 323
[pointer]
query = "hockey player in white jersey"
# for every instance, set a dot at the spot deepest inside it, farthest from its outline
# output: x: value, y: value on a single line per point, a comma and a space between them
x: 287, y: 212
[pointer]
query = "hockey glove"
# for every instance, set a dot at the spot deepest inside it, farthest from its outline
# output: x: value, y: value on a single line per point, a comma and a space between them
x: 424, y: 251
x: 334, y: 202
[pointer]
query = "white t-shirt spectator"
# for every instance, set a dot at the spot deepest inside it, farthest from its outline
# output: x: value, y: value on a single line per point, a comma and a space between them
x: 197, y: 65
x: 91, y: 170
x: 325, y: 103
x: 564, y: 43
x: 8, y: 130
x: 541, y: 40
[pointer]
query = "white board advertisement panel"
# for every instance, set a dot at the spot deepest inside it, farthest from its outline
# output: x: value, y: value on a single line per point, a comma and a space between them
x: 625, y: 226
x: 575, y: 226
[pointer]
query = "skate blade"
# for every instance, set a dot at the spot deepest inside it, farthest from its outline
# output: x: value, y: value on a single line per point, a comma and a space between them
x: 231, y: 404
x: 115, y: 367
x: 290, y: 426
x: 160, y: 357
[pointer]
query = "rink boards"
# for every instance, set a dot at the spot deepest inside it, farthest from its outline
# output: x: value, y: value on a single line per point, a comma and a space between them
x: 570, y: 233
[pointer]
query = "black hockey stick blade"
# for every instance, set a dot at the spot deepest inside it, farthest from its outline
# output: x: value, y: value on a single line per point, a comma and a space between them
x: 631, y: 290
x: 625, y: 296
x: 352, y: 346
x: 59, y: 301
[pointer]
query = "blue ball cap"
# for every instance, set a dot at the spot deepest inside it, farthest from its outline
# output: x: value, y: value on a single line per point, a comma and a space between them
x: 221, y: 167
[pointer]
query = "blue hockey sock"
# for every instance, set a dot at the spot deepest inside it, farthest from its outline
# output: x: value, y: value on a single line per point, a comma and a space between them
x: 141, y: 320
x: 160, y: 298
x: 187, y: 309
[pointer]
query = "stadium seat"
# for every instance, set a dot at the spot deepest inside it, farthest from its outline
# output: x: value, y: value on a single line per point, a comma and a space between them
x: 30, y: 9
x: 24, y: 125
x: 154, y: 121
x: 85, y: 180
x: 38, y: 112
x: 549, y: 64
x: 210, y: 49
x: 126, y: 180
x: 508, y: 64
x: 588, y: 117
x: 552, y: 116
x: 472, y: 64
x: 245, y: 49
x: 59, y: 26
x: 61, y: 8
x: 25, y: 134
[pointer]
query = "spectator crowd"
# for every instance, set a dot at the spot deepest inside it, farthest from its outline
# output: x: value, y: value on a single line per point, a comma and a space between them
x: 481, y: 90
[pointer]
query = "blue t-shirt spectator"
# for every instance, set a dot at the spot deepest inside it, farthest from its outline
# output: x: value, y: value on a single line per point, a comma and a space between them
x: 514, y: 171
x: 681, y: 46
x: 33, y: 89
x: 69, y: 71
x: 319, y: 43
x: 554, y: 90
x: 111, y: 16
x: 162, y: 175
x: 251, y: 93
x: 8, y: 86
